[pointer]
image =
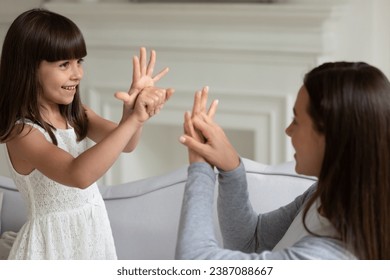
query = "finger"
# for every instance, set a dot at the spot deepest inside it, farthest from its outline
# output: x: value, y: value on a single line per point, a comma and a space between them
x: 152, y: 91
x: 159, y: 96
x: 126, y: 98
x: 136, y: 69
x: 195, y: 133
x: 189, y: 127
x: 185, y: 125
x: 149, y: 110
x: 203, y: 100
x: 152, y: 113
x: 143, y: 60
x: 196, y: 146
x: 190, y: 130
x: 161, y: 74
x: 151, y: 104
x: 123, y: 96
x: 133, y: 90
x: 159, y: 108
x: 170, y: 92
x: 152, y: 62
x: 206, y: 119
x: 204, y: 127
x: 196, y: 105
x: 213, y: 109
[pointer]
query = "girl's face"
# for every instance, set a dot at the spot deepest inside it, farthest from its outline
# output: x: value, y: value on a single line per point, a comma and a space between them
x: 308, y: 143
x: 59, y: 80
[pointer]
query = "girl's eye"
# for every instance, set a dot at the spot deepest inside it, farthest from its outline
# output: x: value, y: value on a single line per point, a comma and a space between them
x: 64, y: 65
x: 80, y: 61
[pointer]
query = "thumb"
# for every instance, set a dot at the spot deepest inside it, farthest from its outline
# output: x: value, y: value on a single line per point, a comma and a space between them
x: 126, y: 98
x: 194, y: 145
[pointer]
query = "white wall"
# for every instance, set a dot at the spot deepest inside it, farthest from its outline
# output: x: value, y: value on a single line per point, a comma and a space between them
x: 364, y: 33
x: 253, y: 58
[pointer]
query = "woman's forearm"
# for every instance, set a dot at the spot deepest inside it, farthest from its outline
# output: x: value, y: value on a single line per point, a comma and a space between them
x: 237, y: 220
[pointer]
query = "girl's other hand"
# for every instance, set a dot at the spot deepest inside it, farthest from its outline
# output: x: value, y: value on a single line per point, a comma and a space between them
x: 150, y: 101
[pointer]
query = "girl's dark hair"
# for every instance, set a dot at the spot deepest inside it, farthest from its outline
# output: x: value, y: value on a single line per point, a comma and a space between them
x: 350, y: 105
x: 34, y: 36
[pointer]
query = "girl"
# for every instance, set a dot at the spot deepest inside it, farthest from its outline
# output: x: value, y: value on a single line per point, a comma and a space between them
x: 45, y: 126
x: 340, y: 133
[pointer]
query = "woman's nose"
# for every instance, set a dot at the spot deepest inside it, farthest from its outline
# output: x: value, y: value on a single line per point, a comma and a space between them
x: 288, y: 130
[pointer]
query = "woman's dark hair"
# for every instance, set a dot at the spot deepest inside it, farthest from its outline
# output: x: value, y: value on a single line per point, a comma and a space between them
x: 350, y: 105
x: 34, y: 36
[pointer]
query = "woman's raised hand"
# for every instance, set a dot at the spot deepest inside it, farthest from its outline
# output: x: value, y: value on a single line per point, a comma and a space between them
x: 206, y: 141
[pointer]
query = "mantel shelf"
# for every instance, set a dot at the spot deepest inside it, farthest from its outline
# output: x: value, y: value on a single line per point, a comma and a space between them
x: 283, y: 27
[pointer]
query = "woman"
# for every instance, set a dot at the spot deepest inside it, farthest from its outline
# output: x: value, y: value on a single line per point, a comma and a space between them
x: 340, y: 133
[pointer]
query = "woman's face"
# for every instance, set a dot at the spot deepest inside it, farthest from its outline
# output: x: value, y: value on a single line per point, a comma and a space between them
x: 308, y: 143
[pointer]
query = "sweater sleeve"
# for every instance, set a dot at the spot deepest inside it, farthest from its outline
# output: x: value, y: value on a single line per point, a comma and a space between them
x: 241, y: 227
x: 196, y: 230
x: 196, y: 237
x: 237, y: 219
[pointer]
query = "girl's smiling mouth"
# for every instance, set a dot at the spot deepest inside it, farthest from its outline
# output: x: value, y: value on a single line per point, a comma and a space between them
x: 69, y: 87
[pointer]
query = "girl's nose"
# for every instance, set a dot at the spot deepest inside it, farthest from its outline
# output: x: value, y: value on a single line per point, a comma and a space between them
x: 77, y: 72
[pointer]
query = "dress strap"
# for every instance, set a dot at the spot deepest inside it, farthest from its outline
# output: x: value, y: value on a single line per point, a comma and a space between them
x: 36, y: 126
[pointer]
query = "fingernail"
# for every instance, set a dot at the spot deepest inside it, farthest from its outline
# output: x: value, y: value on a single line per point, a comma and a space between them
x: 182, y: 139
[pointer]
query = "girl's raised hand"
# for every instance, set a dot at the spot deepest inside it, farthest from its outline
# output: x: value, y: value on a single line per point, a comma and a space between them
x: 142, y: 78
x: 142, y: 73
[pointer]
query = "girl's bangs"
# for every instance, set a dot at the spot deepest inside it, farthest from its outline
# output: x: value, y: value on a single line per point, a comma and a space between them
x: 67, y: 45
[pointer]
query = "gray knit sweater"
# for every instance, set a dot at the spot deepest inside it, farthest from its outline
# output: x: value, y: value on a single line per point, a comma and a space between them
x: 246, y: 235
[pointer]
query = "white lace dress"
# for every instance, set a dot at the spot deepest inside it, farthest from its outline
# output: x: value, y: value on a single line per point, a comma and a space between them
x: 63, y: 222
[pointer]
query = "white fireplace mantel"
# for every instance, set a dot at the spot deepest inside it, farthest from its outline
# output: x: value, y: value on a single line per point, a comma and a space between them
x: 282, y: 27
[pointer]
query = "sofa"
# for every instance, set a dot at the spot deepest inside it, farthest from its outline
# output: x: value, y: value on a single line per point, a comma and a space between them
x: 144, y: 214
